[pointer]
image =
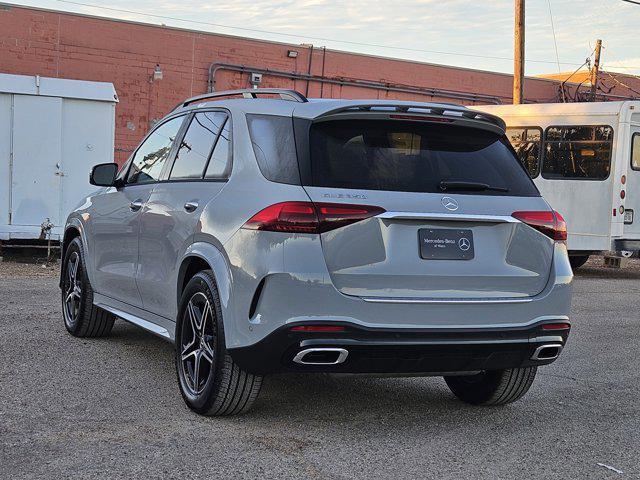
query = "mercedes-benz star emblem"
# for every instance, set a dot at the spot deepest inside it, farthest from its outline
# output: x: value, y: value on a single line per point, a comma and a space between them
x: 449, y: 203
x: 464, y: 244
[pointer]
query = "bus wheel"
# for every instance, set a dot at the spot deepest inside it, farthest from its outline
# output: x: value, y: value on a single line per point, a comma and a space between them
x: 577, y: 261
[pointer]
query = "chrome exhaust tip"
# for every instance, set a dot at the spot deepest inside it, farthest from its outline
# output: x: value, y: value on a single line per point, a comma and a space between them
x: 547, y: 352
x: 321, y: 356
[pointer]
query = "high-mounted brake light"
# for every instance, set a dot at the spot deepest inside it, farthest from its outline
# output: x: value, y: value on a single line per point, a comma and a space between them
x: 550, y: 223
x: 309, y: 217
x: 421, y: 117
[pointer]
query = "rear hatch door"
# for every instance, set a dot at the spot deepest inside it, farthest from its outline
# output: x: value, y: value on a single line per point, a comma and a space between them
x: 448, y: 190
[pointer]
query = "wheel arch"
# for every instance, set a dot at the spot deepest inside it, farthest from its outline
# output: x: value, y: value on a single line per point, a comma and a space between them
x: 205, y: 256
x: 72, y: 230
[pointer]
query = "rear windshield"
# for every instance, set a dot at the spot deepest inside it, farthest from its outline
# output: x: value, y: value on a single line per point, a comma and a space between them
x: 414, y: 157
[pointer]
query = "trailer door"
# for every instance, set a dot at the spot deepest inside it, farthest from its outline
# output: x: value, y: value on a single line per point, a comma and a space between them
x: 632, y: 201
x: 35, y: 173
x: 5, y: 159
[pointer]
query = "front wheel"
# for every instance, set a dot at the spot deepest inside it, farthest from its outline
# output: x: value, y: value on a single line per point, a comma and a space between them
x: 81, y: 317
x: 492, y: 387
x: 210, y: 381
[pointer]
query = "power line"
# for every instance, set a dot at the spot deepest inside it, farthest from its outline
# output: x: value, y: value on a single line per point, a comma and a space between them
x: 555, y: 42
x: 306, y: 37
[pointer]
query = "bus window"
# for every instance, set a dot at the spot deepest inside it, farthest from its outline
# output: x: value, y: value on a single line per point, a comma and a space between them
x: 527, y: 142
x: 579, y: 152
x: 635, y: 152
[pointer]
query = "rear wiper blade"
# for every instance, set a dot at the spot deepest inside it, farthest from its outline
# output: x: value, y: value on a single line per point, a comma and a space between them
x: 462, y: 185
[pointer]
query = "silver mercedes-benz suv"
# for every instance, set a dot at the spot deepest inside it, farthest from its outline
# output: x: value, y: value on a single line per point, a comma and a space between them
x: 271, y: 233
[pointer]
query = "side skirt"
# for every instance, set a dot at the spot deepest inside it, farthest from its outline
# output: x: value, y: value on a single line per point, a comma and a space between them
x: 146, y: 320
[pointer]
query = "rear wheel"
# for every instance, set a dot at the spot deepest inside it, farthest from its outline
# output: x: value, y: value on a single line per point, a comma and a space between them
x: 81, y: 317
x: 210, y: 381
x: 577, y: 261
x: 492, y: 387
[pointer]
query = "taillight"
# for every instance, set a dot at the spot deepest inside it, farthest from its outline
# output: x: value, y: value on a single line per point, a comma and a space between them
x: 309, y: 217
x: 550, y: 223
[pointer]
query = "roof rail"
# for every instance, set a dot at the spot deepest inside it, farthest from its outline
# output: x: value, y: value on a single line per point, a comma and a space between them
x: 285, y: 94
x: 444, y: 110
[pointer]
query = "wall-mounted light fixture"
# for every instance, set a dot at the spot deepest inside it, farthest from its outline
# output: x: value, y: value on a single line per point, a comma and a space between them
x: 292, y: 54
x: 157, y: 74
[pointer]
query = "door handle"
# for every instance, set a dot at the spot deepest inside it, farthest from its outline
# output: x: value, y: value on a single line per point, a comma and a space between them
x: 191, y: 206
x: 136, y: 205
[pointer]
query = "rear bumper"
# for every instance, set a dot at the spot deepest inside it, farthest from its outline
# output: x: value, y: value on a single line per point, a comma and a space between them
x: 387, y: 351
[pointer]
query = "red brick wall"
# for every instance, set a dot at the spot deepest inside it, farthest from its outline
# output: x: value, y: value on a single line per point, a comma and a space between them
x: 71, y: 46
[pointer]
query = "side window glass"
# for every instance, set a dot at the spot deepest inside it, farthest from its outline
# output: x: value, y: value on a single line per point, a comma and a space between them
x: 149, y: 159
x: 635, y: 152
x: 220, y: 161
x: 195, y: 148
x: 580, y: 152
x: 274, y: 147
x: 527, y: 142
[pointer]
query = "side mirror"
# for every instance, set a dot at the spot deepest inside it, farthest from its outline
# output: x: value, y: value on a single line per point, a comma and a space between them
x: 104, y: 175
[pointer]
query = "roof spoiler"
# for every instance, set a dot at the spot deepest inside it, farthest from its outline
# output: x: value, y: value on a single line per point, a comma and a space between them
x: 445, y: 111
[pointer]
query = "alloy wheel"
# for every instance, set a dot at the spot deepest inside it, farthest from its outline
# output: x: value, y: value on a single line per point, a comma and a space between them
x: 73, y: 289
x: 197, y: 340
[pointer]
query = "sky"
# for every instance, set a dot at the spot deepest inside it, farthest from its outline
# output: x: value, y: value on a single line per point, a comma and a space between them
x: 464, y: 33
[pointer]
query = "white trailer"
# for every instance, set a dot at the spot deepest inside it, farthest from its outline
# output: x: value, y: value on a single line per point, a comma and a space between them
x: 585, y: 160
x: 52, y: 131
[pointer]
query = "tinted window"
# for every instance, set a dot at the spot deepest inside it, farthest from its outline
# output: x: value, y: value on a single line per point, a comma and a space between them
x: 635, y: 152
x: 195, y: 148
x: 577, y: 152
x: 274, y: 147
x: 149, y: 159
x: 413, y: 157
x: 527, y: 142
x: 220, y: 162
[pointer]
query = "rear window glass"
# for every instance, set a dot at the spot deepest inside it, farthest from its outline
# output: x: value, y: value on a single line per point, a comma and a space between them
x: 414, y: 157
x: 579, y: 152
x: 527, y: 142
x: 274, y: 147
x: 635, y: 152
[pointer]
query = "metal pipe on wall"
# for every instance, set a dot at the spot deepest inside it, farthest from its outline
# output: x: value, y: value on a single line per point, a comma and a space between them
x: 215, y: 67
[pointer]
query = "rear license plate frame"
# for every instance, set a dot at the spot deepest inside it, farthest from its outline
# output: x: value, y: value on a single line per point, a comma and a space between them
x: 446, y: 244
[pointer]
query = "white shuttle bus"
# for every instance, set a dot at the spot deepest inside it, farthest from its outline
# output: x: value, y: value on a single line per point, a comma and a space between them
x: 585, y: 160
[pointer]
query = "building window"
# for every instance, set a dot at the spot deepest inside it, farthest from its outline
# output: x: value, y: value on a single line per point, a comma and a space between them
x: 578, y: 152
x: 527, y: 142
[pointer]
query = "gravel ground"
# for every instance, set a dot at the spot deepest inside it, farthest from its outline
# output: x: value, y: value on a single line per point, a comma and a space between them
x: 110, y: 408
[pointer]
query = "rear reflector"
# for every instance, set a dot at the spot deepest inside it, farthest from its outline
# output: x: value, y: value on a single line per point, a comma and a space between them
x: 550, y: 223
x: 556, y: 326
x: 309, y: 217
x: 318, y: 328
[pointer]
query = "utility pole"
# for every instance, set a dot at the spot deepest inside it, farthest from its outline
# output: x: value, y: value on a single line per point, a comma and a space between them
x: 594, y: 71
x: 518, y: 57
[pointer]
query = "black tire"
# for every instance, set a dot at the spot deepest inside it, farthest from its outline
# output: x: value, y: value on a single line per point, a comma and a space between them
x: 493, y: 387
x: 81, y: 317
x: 226, y: 388
x: 577, y: 261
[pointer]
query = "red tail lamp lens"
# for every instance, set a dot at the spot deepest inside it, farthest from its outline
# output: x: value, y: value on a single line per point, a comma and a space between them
x: 556, y: 326
x: 550, y: 223
x: 309, y: 217
x: 318, y: 328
